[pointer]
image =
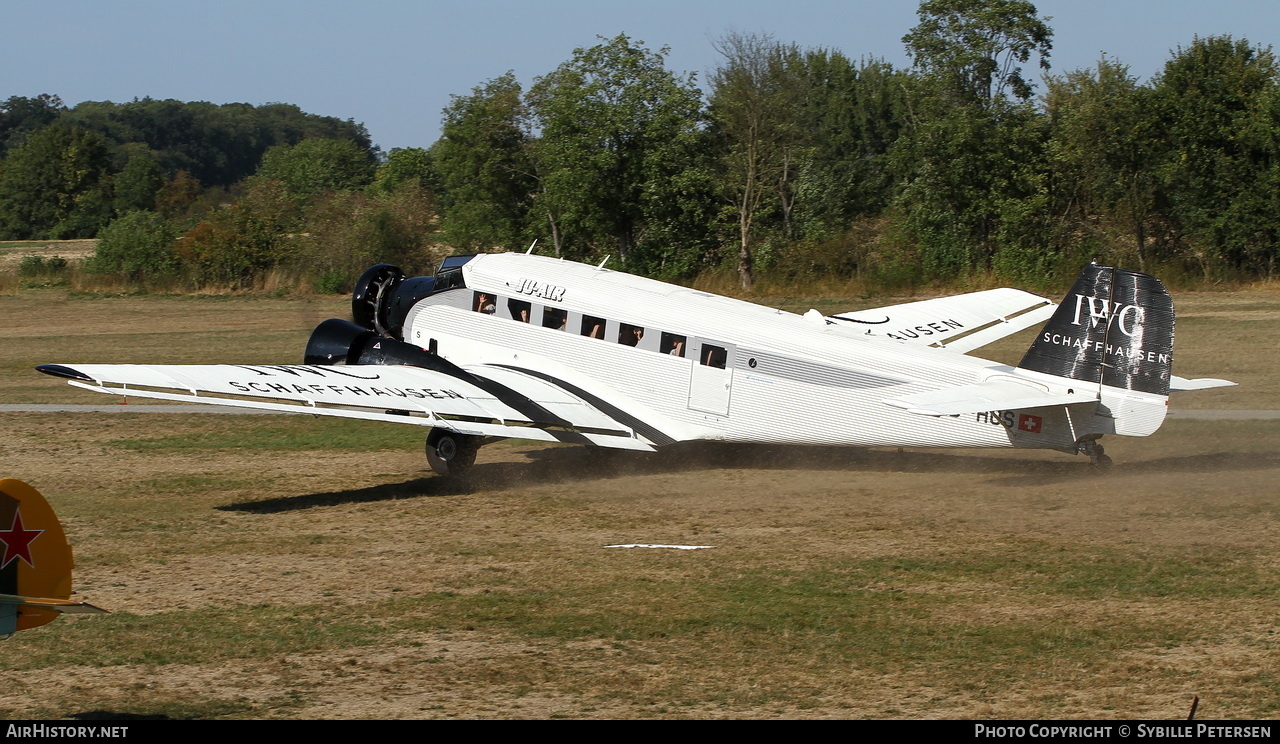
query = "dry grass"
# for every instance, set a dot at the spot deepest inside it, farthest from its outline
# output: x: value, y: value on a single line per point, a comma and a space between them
x: 294, y: 568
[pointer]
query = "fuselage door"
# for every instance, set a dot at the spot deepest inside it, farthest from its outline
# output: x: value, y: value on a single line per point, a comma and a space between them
x: 711, y: 380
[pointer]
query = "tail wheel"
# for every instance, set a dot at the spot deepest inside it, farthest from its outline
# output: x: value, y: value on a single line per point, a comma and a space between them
x: 1101, y: 461
x: 1097, y: 455
x: 451, y: 454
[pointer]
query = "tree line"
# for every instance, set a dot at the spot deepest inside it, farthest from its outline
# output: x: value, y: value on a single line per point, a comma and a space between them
x: 792, y: 163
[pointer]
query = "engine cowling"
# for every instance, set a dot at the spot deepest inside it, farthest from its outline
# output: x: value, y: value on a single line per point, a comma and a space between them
x: 384, y: 296
x: 373, y: 290
x: 338, y: 341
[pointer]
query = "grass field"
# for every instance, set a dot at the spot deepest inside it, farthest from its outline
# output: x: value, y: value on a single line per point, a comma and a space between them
x: 287, y: 567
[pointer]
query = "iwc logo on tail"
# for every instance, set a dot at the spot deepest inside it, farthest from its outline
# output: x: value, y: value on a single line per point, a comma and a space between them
x: 1127, y: 319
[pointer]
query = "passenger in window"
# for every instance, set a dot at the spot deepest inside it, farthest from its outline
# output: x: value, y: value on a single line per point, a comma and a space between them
x: 630, y: 335
x: 554, y: 317
x: 519, y: 310
x: 672, y: 344
x: 484, y: 304
x: 714, y: 356
x: 592, y: 327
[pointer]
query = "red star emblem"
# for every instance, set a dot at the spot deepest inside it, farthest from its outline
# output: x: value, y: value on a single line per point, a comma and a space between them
x: 17, y: 541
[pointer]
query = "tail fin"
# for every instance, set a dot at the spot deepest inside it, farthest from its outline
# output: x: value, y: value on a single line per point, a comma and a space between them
x: 1113, y: 330
x: 35, y: 565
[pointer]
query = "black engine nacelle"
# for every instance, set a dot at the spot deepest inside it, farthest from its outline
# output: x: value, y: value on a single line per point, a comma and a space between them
x: 338, y: 341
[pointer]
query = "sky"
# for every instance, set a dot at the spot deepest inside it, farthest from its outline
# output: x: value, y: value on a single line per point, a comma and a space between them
x: 393, y: 64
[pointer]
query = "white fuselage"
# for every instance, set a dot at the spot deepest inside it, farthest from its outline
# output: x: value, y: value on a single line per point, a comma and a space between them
x: 709, y: 367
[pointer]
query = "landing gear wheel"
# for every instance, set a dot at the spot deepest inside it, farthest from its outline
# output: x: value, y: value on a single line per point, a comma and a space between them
x: 451, y: 454
x: 1097, y: 455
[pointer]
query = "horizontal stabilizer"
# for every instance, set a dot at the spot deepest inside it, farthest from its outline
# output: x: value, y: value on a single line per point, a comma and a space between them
x: 993, y: 395
x: 962, y: 322
x: 1182, y: 384
x: 60, y: 606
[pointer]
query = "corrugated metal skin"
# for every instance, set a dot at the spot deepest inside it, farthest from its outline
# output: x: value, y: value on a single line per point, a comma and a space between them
x: 811, y: 386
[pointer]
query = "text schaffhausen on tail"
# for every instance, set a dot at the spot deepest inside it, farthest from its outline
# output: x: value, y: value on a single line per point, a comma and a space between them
x: 1114, y: 330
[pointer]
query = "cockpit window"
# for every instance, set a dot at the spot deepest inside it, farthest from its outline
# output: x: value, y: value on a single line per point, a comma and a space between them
x: 453, y: 262
x: 672, y: 344
x: 449, y: 275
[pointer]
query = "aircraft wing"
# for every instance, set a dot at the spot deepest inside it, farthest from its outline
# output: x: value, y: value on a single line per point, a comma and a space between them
x: 962, y: 322
x: 481, y: 400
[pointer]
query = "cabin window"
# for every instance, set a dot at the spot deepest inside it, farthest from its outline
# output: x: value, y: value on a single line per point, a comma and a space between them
x: 629, y: 335
x: 483, y: 303
x: 519, y: 310
x: 714, y: 356
x: 672, y: 344
x: 554, y: 317
x: 592, y: 327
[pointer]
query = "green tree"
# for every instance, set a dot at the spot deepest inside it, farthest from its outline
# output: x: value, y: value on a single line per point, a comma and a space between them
x: 1216, y: 102
x: 20, y: 116
x: 347, y: 231
x: 176, y: 196
x: 56, y: 184
x: 218, y: 145
x: 404, y: 165
x: 136, y: 186
x: 756, y: 98
x: 619, y: 135
x: 973, y: 49
x: 972, y: 166
x: 486, y: 173
x: 1103, y: 146
x: 234, y: 247
x: 314, y: 166
x: 854, y: 115
x: 140, y: 244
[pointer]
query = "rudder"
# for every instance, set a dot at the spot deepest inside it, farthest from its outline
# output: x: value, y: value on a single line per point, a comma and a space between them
x: 1114, y: 329
x: 35, y: 561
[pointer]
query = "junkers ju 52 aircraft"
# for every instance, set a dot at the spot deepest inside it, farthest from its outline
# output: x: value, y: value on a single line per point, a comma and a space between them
x: 531, y: 347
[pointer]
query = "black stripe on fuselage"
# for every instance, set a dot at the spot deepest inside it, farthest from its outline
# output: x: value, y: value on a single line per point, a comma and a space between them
x: 617, y: 414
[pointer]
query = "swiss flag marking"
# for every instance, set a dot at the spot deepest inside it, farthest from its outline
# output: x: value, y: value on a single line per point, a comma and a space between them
x: 1029, y: 423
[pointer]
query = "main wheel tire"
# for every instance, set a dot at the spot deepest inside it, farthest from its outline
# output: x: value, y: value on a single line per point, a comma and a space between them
x: 450, y: 454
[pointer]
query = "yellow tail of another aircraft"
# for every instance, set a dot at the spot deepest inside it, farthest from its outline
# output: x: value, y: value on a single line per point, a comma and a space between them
x: 35, y: 561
